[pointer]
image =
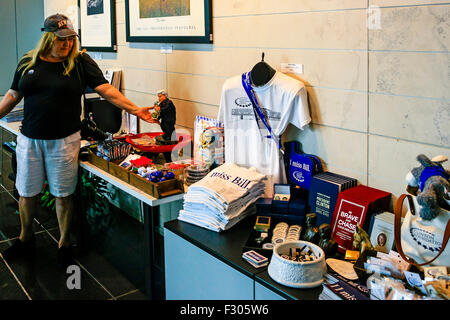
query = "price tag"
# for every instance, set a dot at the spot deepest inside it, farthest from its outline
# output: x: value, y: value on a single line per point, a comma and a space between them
x: 292, y: 68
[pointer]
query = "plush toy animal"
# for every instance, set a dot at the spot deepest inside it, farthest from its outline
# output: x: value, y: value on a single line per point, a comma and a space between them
x: 431, y: 184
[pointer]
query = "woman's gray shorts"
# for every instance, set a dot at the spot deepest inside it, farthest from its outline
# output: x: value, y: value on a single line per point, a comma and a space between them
x: 55, y: 160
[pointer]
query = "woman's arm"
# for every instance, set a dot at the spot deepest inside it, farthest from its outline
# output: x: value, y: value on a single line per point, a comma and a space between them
x: 9, y: 101
x: 114, y: 96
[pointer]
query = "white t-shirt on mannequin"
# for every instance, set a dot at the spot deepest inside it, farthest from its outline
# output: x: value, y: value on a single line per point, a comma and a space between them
x: 283, y: 100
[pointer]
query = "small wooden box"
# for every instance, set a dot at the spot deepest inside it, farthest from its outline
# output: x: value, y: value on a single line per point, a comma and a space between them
x: 98, y: 162
x: 156, y: 189
x: 119, y: 172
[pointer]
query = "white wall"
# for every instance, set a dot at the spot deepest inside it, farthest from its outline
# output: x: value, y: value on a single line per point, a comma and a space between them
x: 378, y: 97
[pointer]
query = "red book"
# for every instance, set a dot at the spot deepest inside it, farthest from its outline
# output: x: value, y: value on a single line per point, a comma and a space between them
x: 355, y: 206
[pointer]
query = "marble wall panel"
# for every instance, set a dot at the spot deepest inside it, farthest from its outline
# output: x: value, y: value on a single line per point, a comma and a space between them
x: 397, y: 3
x: 391, y: 159
x: 338, y: 108
x: 330, y: 29
x: 327, y: 68
x: 416, y: 28
x: 242, y: 7
x: 341, y: 151
x: 413, y: 119
x: 415, y: 74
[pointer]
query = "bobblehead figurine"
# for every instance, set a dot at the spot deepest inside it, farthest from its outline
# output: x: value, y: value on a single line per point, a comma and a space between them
x: 166, y: 112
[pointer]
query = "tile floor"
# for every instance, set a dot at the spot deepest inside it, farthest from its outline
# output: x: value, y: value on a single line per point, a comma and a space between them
x: 111, y: 268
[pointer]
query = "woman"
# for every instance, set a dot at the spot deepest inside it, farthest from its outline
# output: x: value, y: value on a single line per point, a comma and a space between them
x: 381, y: 243
x: 51, y: 78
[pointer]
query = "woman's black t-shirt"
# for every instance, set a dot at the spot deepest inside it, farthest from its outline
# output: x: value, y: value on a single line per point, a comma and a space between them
x: 52, y: 100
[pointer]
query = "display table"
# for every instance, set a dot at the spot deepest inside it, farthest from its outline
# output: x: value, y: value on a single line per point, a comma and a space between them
x: 203, y: 264
x: 12, y: 127
x: 149, y: 207
x: 128, y: 188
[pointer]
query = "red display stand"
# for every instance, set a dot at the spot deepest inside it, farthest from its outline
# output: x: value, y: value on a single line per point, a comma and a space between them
x: 183, y: 140
x: 355, y: 206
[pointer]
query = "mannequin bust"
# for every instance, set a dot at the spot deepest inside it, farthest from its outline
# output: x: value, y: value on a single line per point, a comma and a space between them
x: 261, y: 73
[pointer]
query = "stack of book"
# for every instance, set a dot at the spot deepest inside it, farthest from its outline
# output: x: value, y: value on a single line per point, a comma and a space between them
x: 336, y: 287
x: 15, y: 115
x: 323, y: 193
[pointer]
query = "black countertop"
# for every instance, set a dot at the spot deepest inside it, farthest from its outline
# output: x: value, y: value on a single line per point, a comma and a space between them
x: 227, y: 247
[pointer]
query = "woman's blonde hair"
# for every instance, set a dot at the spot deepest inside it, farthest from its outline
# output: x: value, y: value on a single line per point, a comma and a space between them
x: 44, y: 47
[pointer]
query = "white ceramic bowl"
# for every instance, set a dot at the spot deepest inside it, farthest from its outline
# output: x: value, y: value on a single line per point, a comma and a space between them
x: 297, y: 274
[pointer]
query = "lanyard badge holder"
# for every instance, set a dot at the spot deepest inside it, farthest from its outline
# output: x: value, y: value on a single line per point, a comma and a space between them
x: 259, y: 115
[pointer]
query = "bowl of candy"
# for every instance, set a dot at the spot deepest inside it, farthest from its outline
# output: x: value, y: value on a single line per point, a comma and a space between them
x: 297, y: 264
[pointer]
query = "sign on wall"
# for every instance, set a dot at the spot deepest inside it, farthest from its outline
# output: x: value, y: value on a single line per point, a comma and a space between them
x: 97, y: 25
x: 186, y: 21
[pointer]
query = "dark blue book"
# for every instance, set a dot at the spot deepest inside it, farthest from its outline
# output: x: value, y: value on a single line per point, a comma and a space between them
x: 341, y: 289
x: 323, y: 194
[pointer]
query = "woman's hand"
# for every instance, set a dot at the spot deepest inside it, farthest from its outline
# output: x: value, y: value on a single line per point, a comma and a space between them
x: 144, y: 114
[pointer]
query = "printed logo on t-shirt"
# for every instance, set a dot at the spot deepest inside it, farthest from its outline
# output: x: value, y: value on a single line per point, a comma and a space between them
x: 244, y: 111
x: 243, y: 102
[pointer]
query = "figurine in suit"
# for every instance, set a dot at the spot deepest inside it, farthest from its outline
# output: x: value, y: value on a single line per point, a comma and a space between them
x: 311, y: 232
x: 328, y: 245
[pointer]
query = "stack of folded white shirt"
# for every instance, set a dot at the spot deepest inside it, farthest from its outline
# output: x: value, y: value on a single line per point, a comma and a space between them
x: 220, y: 199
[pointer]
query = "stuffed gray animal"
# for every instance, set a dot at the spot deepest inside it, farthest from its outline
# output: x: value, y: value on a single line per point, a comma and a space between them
x: 430, y: 183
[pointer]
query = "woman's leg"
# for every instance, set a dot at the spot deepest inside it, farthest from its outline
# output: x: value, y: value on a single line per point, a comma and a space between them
x: 64, y: 212
x: 61, y: 163
x: 27, y: 210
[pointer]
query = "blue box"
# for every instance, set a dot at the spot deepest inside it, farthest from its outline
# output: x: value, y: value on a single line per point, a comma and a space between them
x: 263, y: 206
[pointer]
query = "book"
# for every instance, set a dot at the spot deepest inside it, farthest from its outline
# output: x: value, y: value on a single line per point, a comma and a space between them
x: 355, y: 284
x: 381, y: 231
x: 324, y: 190
x: 355, y: 206
x: 337, y: 289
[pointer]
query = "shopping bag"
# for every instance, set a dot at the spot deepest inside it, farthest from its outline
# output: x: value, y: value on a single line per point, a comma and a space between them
x: 301, y: 166
x: 418, y: 241
x: 209, y: 144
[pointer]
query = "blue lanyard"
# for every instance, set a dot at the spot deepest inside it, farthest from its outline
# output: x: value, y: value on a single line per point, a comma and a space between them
x: 257, y: 110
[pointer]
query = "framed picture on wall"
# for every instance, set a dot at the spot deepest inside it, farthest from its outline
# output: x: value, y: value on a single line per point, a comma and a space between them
x: 168, y: 21
x: 97, y: 25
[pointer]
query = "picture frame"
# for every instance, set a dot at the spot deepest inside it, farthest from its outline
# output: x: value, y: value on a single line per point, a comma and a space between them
x: 169, y: 21
x: 97, y: 25
x: 382, y: 232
